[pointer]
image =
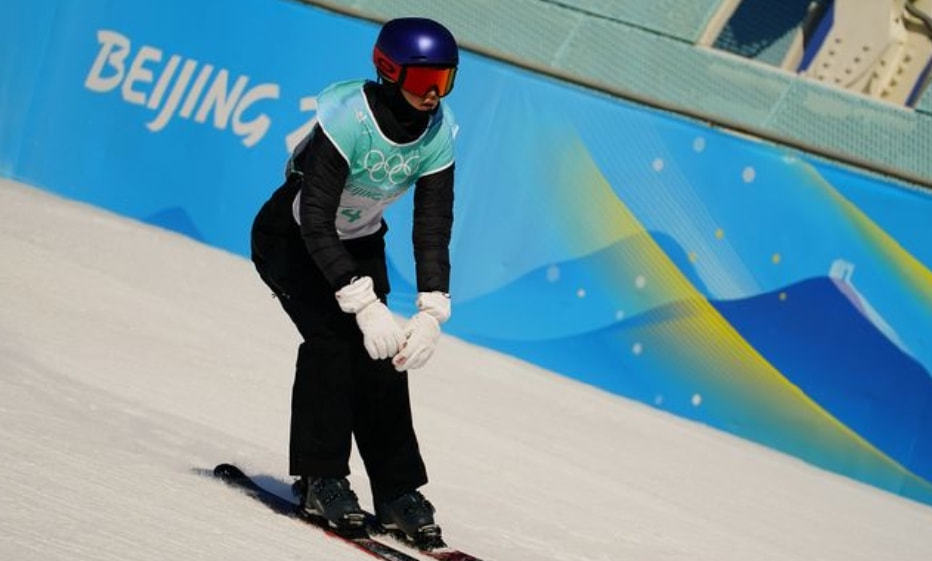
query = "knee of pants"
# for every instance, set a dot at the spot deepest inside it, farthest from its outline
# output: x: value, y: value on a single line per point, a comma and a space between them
x: 324, y: 365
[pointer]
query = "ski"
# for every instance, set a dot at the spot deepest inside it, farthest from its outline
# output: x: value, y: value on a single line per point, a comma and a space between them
x: 447, y: 554
x: 360, y: 539
x: 450, y: 555
x: 440, y: 552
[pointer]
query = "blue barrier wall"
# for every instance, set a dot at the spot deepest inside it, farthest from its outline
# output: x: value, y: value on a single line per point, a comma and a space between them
x: 729, y: 281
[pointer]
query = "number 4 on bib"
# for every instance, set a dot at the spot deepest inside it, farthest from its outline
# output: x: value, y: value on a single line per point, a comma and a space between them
x: 351, y: 214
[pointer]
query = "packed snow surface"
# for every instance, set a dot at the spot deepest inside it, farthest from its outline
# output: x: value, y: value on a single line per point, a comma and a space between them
x: 132, y: 357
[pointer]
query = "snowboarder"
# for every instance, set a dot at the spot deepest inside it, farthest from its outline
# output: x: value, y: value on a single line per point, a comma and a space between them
x: 318, y: 244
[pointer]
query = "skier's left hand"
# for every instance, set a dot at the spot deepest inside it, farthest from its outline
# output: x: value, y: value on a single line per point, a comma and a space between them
x: 422, y: 332
x: 421, y: 335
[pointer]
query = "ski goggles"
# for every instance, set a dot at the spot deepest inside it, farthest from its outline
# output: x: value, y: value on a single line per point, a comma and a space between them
x: 419, y: 80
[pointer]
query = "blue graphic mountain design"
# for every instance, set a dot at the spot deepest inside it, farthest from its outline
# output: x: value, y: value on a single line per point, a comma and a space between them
x: 822, y: 343
x: 175, y: 219
x: 815, y: 335
x: 580, y: 295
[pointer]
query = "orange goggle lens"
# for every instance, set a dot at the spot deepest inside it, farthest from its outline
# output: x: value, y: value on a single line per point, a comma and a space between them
x: 419, y: 80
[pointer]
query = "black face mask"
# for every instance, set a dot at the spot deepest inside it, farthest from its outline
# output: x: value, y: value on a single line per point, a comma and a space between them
x: 408, y: 123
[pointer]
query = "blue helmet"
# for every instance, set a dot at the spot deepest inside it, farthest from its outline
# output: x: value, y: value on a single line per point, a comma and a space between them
x: 406, y: 42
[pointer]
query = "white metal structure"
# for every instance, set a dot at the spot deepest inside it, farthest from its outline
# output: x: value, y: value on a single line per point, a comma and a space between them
x: 880, y: 48
x: 876, y: 47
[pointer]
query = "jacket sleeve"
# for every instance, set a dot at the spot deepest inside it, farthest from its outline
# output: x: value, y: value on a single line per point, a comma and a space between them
x: 433, y: 222
x: 324, y: 173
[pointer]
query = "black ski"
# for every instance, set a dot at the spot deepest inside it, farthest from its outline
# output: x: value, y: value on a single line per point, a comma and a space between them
x: 445, y: 553
x: 439, y: 551
x: 360, y: 538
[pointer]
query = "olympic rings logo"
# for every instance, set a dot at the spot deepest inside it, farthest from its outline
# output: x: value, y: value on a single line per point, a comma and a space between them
x: 395, y: 168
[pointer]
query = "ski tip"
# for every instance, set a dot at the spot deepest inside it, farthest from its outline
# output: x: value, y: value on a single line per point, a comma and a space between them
x: 228, y: 471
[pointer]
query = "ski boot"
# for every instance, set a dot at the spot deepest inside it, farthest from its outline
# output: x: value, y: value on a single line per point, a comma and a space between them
x: 331, y: 500
x: 410, y: 517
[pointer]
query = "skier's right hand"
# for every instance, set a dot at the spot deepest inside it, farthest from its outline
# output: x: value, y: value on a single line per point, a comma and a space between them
x: 382, y: 336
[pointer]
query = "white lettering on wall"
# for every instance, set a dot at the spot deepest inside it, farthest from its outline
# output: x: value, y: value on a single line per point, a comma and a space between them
x: 147, y: 79
x: 113, y: 50
x: 156, y: 97
x: 195, y: 92
x: 253, y: 130
x: 174, y: 97
x: 139, y: 73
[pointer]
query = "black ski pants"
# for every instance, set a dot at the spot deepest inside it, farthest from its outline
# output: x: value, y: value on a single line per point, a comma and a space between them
x: 339, y: 392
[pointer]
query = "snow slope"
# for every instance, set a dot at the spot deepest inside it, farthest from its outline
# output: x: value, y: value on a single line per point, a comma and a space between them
x: 131, y: 357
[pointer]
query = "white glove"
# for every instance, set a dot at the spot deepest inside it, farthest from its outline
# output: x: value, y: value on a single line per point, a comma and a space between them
x: 381, y: 335
x: 436, y: 304
x: 422, y: 332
